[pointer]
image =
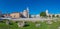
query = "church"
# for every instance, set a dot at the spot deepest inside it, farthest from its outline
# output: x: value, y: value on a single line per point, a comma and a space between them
x: 24, y: 14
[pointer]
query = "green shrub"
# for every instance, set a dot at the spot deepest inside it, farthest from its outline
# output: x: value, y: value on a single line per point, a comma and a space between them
x: 11, y: 22
x: 26, y: 24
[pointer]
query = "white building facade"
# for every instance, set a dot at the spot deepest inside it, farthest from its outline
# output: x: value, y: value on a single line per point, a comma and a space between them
x: 26, y: 13
x: 51, y: 15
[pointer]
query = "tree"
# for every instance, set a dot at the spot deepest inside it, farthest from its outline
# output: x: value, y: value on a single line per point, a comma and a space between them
x: 57, y: 16
x: 53, y: 15
x: 43, y: 14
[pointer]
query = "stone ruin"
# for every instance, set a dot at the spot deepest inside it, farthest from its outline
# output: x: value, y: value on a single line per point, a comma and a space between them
x: 58, y: 27
x: 7, y: 22
x: 38, y: 25
x: 49, y: 22
x: 21, y: 24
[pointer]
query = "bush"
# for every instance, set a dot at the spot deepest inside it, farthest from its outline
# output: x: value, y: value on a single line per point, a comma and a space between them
x: 2, y: 21
x: 26, y: 24
x: 11, y: 23
x: 16, y: 21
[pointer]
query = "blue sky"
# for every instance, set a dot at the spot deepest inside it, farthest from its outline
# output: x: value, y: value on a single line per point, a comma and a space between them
x: 35, y: 6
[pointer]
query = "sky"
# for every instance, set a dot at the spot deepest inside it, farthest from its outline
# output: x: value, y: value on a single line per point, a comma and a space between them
x: 35, y: 6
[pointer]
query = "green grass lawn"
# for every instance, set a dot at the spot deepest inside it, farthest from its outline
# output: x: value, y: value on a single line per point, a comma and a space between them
x: 43, y: 25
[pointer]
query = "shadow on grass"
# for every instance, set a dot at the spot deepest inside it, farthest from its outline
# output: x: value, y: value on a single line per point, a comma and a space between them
x: 26, y: 24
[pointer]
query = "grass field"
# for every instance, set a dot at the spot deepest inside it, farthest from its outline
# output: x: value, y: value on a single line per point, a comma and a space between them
x: 32, y: 25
